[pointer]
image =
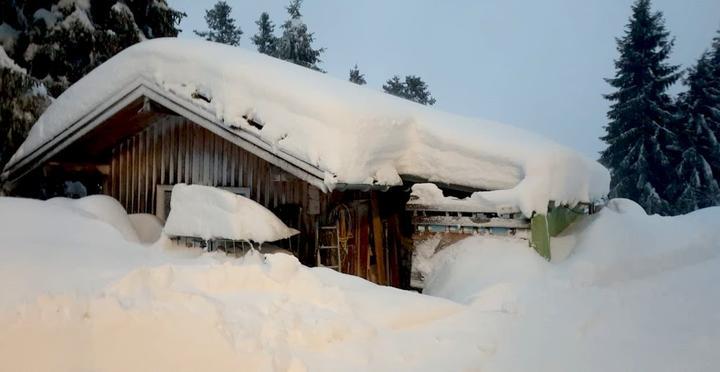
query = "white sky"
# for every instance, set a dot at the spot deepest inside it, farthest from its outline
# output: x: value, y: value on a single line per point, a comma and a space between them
x: 534, y: 64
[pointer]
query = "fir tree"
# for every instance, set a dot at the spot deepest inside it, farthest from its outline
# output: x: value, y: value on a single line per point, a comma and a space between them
x: 641, y: 142
x: 295, y: 44
x: 714, y: 85
x: 356, y: 77
x: 54, y: 43
x: 699, y: 119
x: 61, y: 41
x: 22, y: 100
x: 413, y: 89
x: 265, y: 40
x: 396, y: 87
x: 221, y: 24
x: 418, y: 90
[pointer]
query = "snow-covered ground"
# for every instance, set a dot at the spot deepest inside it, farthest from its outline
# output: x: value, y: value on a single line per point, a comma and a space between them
x: 635, y: 292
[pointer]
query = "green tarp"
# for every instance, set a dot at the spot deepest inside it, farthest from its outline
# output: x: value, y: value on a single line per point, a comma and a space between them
x: 544, y: 227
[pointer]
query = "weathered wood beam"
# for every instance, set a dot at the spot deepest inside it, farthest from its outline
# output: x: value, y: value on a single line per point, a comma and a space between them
x: 378, y: 239
x: 471, y: 222
x: 89, y: 167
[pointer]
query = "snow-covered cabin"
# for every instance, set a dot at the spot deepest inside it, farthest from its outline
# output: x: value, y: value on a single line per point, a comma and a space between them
x: 310, y: 147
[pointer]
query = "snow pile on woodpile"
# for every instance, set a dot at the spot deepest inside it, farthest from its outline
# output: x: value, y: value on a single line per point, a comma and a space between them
x: 355, y: 135
x: 208, y: 212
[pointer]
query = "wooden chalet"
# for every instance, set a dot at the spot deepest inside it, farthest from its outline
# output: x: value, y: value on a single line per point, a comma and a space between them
x: 139, y: 136
x: 144, y: 140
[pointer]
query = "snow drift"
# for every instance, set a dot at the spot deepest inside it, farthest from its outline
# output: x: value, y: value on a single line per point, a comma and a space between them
x: 76, y: 293
x: 353, y: 134
x: 636, y: 293
x: 103, y: 208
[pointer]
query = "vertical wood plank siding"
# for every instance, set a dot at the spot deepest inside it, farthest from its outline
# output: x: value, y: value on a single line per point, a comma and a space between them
x: 173, y: 150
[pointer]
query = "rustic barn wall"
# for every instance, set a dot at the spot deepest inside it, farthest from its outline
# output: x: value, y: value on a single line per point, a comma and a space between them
x: 174, y: 150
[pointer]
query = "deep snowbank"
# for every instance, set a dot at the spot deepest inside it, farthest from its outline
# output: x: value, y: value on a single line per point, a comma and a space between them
x: 637, y: 293
x: 326, y: 122
x: 103, y: 208
x: 76, y: 293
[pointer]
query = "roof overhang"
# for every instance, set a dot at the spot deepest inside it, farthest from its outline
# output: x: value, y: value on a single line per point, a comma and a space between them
x: 142, y: 88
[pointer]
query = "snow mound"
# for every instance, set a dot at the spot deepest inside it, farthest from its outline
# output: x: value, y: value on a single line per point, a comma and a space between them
x: 147, y: 226
x: 103, y: 208
x: 324, y: 122
x: 637, y: 293
x: 483, y: 269
x: 57, y: 247
x: 88, y: 300
x: 208, y: 212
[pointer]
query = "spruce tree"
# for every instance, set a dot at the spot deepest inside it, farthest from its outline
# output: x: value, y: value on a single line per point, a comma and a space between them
x: 265, y: 39
x: 714, y: 61
x: 418, y: 90
x: 22, y: 100
x: 699, y: 118
x: 396, y: 87
x: 641, y: 143
x: 413, y: 88
x: 60, y: 41
x: 54, y: 43
x: 221, y: 24
x: 295, y: 44
x: 356, y: 77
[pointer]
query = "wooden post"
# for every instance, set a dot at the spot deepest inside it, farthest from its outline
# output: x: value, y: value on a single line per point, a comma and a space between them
x: 363, y: 244
x: 394, y: 260
x: 378, y: 239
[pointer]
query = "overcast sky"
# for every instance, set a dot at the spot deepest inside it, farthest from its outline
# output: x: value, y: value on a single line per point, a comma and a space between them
x: 534, y: 64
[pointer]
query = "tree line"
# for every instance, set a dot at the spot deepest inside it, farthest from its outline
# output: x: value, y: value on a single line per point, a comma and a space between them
x: 662, y: 151
x: 295, y: 44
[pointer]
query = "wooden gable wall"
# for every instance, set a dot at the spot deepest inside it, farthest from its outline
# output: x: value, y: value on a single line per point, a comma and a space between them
x: 174, y: 150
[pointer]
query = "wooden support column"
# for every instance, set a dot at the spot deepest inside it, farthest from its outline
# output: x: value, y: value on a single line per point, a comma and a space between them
x: 378, y: 239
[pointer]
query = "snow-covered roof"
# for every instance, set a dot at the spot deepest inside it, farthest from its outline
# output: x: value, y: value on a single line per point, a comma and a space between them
x: 350, y: 134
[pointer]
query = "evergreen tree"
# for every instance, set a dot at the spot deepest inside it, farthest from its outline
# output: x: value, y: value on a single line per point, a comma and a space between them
x: 53, y: 43
x: 699, y: 119
x: 413, y: 89
x: 641, y: 143
x: 295, y: 44
x: 22, y: 100
x: 714, y: 61
x: 265, y: 40
x: 221, y: 24
x: 418, y: 90
x: 59, y: 41
x: 396, y: 87
x: 356, y: 77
